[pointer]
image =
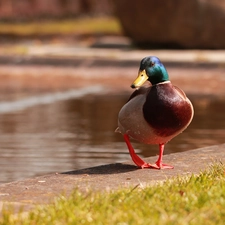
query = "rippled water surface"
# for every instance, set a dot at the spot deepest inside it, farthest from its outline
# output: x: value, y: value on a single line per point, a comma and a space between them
x: 75, y: 132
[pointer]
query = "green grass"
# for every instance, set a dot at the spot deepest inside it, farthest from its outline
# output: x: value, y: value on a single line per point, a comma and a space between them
x: 197, y: 199
x: 73, y: 26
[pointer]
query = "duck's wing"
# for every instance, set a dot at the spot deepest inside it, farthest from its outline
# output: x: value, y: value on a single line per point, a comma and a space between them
x: 141, y: 91
x: 180, y: 92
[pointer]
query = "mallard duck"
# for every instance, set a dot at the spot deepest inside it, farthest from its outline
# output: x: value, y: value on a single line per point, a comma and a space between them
x: 154, y: 114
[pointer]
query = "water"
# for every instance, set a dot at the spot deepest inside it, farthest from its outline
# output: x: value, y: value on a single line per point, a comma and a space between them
x: 71, y: 130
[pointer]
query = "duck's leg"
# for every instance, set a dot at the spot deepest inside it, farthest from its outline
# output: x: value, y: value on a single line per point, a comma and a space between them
x: 158, y: 164
x: 136, y: 159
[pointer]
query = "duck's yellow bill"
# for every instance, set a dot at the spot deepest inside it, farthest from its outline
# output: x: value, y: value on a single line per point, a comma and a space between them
x: 142, y: 77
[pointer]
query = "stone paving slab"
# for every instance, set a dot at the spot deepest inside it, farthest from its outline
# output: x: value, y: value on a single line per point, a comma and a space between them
x: 43, y: 189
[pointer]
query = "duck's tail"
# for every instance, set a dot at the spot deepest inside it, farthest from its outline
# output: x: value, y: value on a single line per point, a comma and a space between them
x: 117, y: 130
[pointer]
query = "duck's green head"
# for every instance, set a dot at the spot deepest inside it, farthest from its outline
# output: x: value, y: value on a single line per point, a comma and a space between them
x: 151, y: 69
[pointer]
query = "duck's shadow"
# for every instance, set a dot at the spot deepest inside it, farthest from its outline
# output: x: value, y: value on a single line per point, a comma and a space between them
x: 105, y: 169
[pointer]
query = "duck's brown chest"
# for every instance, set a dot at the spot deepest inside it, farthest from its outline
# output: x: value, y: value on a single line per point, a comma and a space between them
x: 167, y: 110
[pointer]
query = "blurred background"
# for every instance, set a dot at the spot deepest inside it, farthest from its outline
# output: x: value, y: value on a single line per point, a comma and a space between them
x: 66, y: 67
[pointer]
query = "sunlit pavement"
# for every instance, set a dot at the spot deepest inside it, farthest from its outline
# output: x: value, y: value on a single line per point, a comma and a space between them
x: 43, y: 189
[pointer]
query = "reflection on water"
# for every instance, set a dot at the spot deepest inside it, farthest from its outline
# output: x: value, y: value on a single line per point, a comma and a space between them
x: 79, y: 132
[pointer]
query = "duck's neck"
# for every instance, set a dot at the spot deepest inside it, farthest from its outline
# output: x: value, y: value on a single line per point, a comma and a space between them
x: 164, y: 82
x: 159, y: 75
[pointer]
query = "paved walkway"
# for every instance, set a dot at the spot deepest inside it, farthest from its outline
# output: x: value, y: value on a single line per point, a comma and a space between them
x: 44, y: 189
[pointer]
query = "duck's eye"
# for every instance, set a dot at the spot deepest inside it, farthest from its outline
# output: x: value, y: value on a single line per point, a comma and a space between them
x: 152, y: 64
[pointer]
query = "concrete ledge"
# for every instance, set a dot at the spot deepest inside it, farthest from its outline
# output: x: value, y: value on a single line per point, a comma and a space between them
x: 43, y: 189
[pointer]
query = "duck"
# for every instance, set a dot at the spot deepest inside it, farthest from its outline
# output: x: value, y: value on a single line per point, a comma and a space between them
x: 156, y: 111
